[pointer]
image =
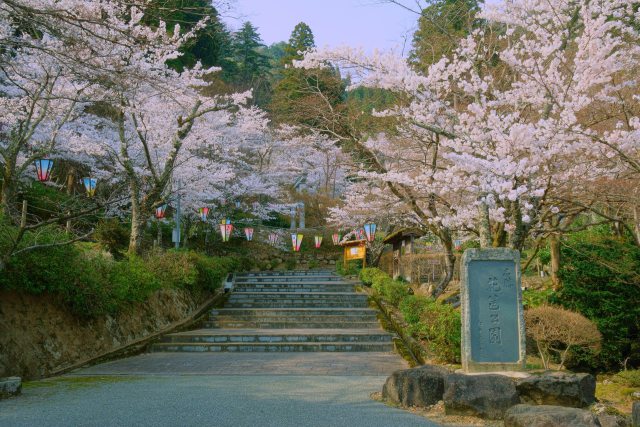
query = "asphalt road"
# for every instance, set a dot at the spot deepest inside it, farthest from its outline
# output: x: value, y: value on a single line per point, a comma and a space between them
x: 118, y: 394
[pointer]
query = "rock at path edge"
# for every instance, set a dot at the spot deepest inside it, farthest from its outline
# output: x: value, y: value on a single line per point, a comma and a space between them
x: 421, y: 386
x: 558, y: 389
x: 484, y: 396
x: 549, y: 416
x: 10, y: 386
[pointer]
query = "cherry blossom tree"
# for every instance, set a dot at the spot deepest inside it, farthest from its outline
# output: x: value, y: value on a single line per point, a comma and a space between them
x: 490, y: 140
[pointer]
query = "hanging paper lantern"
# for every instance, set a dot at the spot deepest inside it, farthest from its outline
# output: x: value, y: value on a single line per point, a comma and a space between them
x: 160, y: 210
x: 43, y: 169
x: 204, y: 213
x: 318, y: 240
x: 90, y: 186
x: 296, y: 241
x: 226, y: 228
x: 249, y: 233
x: 458, y: 244
x: 370, y: 231
x: 237, y: 204
x: 336, y: 238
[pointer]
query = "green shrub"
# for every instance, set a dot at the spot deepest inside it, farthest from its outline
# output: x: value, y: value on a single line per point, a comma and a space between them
x: 212, y: 271
x: 290, y: 264
x: 390, y: 290
x: 352, y: 269
x: 437, y: 324
x: 369, y: 274
x: 600, y: 279
x: 412, y: 308
x: 173, y: 268
x: 532, y: 298
x: 132, y: 280
x: 92, y: 283
x: 629, y: 378
x: 112, y: 235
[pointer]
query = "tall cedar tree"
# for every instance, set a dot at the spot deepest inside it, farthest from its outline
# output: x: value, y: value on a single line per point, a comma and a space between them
x: 252, y: 65
x: 301, y: 95
x: 212, y: 44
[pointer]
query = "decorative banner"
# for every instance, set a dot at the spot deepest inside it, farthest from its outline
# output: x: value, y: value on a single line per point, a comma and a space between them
x: 90, y: 186
x: 249, y: 233
x: 318, y: 241
x: 360, y: 234
x: 336, y: 238
x: 204, y: 213
x: 226, y: 228
x: 370, y: 231
x: 296, y: 241
x: 273, y: 239
x: 160, y: 210
x: 43, y: 169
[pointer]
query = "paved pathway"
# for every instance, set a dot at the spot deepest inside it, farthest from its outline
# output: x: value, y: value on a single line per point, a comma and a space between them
x: 216, y: 389
x: 233, y: 401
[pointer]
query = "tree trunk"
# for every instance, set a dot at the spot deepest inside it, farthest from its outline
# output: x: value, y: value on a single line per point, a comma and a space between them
x: 5, y: 199
x: 484, y: 225
x: 138, y: 221
x: 449, y: 265
x: 636, y: 224
x: 7, y: 194
x: 554, y: 249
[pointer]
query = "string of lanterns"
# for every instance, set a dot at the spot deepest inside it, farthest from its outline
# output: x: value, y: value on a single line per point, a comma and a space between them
x: 44, y: 168
x: 368, y: 232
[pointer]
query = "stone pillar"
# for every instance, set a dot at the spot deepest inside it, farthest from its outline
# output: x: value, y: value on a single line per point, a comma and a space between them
x: 493, y: 334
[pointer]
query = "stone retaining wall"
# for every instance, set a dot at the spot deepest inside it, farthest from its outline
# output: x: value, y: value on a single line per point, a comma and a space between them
x: 39, y: 336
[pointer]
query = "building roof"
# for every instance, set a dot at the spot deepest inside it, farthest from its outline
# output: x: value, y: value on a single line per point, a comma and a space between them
x: 402, y: 234
x: 353, y: 242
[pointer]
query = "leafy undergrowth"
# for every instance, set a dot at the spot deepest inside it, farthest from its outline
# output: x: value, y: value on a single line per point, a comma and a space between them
x: 617, y: 390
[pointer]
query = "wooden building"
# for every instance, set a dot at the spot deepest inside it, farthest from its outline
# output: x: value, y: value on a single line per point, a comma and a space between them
x: 402, y: 242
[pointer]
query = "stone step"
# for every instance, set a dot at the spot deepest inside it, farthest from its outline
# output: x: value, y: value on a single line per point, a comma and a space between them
x: 310, y: 285
x: 276, y: 317
x: 289, y: 279
x: 293, y: 288
x: 297, y: 304
x: 289, y: 323
x: 299, y: 297
x: 274, y: 347
x: 355, y: 313
x: 288, y: 273
x: 309, y: 295
x: 277, y: 335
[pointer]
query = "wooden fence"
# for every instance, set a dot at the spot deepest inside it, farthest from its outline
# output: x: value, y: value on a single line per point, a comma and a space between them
x: 426, y: 267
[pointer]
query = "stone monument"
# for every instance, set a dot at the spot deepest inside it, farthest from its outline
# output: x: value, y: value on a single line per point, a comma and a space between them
x: 493, y: 334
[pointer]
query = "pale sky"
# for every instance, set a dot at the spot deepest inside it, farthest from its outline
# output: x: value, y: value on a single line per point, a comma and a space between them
x: 359, y: 23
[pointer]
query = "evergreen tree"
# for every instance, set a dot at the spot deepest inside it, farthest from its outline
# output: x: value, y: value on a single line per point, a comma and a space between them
x: 301, y: 40
x: 442, y: 24
x: 212, y: 43
x: 252, y: 66
x: 250, y: 61
x: 300, y: 95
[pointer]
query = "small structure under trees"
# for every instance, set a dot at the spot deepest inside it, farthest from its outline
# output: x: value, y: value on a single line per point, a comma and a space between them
x: 402, y: 242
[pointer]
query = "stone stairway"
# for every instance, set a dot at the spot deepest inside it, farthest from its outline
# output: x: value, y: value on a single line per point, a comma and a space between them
x: 289, y: 311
